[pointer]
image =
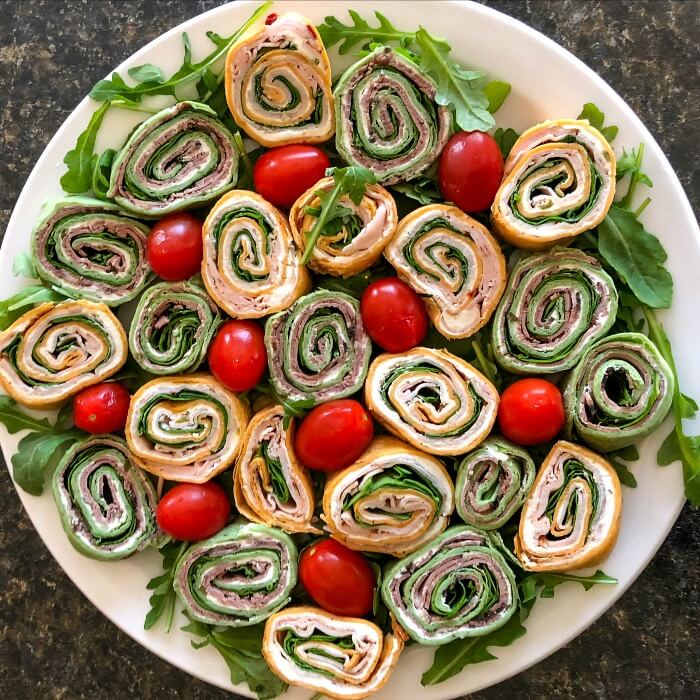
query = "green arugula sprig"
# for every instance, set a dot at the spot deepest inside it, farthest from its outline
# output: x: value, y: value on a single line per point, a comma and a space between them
x: 596, y: 119
x: 40, y: 450
x: 331, y: 215
x: 467, y: 92
x: 15, y: 306
x: 162, y: 600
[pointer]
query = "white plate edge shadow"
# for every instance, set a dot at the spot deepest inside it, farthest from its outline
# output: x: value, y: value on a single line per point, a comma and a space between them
x: 206, y: 664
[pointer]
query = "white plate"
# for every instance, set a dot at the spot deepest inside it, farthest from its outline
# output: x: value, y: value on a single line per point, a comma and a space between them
x: 548, y: 82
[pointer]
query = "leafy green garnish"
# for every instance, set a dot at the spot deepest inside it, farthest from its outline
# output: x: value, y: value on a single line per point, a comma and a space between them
x: 545, y: 583
x: 678, y: 446
x: 630, y: 164
x: 349, y: 181
x: 496, y: 92
x: 596, y: 119
x: 422, y: 189
x: 241, y: 649
x: 628, y: 454
x: 162, y: 600
x: 506, y: 140
x: 16, y: 305
x: 355, y: 285
x: 23, y: 266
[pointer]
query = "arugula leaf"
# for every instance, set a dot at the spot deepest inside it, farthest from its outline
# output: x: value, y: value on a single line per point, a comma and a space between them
x: 422, y: 189
x: 545, y: 583
x: 333, y: 32
x: 241, y: 649
x: 15, y: 419
x: 677, y: 446
x: 351, y: 181
x: 456, y: 87
x: 16, y: 305
x: 596, y: 119
x: 23, y: 266
x: 630, y: 164
x: 101, y: 173
x: 146, y: 72
x: 506, y: 140
x: 624, y: 474
x: 162, y: 600
x: 637, y: 256
x: 81, y: 159
x: 496, y: 92
x: 355, y: 285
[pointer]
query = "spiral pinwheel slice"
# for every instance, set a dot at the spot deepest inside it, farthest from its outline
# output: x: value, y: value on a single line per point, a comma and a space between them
x: 556, y: 305
x: 251, y: 266
x: 55, y: 350
x: 238, y: 577
x: 619, y: 392
x: 387, y: 119
x: 358, y: 244
x: 179, y: 158
x: 106, y: 505
x: 91, y: 249
x: 392, y: 500
x: 339, y: 657
x: 432, y: 399
x: 269, y: 484
x: 278, y: 82
x: 172, y: 327
x: 457, y: 586
x: 571, y: 517
x: 318, y: 349
x: 454, y: 263
x: 559, y: 182
x: 492, y: 483
x: 185, y: 428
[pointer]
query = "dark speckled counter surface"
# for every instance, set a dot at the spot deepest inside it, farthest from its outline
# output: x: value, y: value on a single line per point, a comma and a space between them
x: 53, y: 643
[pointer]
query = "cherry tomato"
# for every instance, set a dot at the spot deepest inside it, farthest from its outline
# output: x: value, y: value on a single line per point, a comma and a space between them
x: 192, y: 512
x: 174, y: 247
x: 339, y: 579
x: 531, y: 411
x: 101, y: 408
x: 333, y: 435
x: 237, y: 355
x: 471, y: 170
x: 283, y: 174
x: 393, y: 314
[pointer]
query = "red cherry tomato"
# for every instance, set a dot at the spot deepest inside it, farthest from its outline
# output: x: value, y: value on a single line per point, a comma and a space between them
x: 471, y: 170
x: 101, y: 408
x: 333, y: 435
x: 393, y: 314
x: 237, y: 355
x: 339, y: 579
x: 531, y: 411
x: 283, y: 174
x: 192, y: 512
x: 174, y: 247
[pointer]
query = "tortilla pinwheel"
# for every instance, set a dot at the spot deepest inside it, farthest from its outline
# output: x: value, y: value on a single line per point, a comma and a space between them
x: 571, y: 517
x: 454, y: 263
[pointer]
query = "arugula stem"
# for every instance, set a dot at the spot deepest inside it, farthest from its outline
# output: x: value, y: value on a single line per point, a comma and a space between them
x: 320, y: 223
x: 642, y: 207
x: 134, y: 108
x: 626, y: 201
x: 238, y: 139
x: 483, y: 362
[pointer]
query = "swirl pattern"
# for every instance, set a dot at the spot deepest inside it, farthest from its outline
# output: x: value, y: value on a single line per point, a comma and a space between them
x: 559, y: 182
x: 454, y: 263
x: 619, y: 392
x: 238, y: 577
x: 179, y: 158
x: 358, y: 243
x: 278, y: 82
x: 185, y: 428
x: 270, y: 486
x: 318, y: 350
x: 55, y: 350
x: 339, y: 657
x: 457, y: 586
x: 492, y: 483
x: 387, y: 119
x: 106, y: 505
x: 392, y: 500
x: 571, y: 517
x: 172, y: 327
x: 251, y: 266
x: 432, y: 399
x: 90, y: 249
x: 556, y: 305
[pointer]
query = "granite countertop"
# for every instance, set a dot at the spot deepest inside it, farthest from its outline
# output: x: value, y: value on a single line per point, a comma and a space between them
x: 53, y: 643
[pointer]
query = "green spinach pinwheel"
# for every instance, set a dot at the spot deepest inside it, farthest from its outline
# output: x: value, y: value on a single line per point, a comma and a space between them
x: 387, y: 119
x: 238, y: 577
x: 179, y: 158
x: 318, y: 349
x: 457, y: 586
x: 106, y: 504
x: 492, y: 483
x: 172, y: 327
x: 556, y: 305
x: 91, y: 249
x: 619, y: 392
